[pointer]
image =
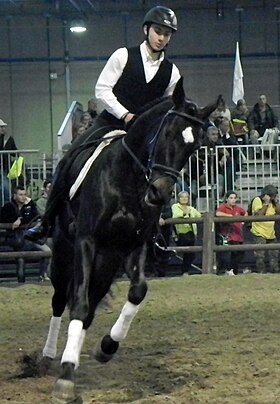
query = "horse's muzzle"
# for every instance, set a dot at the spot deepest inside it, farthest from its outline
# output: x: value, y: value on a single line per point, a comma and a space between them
x: 159, y: 191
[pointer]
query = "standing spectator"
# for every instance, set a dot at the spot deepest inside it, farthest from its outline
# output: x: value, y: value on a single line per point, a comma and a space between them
x: 233, y: 153
x: 186, y: 232
x: 261, y: 117
x: 131, y: 78
x: 6, y: 143
x: 212, y: 140
x: 264, y: 232
x: 20, y: 211
x: 42, y: 201
x: 233, y: 232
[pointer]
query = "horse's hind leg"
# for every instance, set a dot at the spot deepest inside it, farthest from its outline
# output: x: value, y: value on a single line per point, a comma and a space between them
x: 135, y: 265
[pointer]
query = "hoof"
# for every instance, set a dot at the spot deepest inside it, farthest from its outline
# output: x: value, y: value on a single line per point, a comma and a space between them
x: 64, y: 393
x: 101, y: 356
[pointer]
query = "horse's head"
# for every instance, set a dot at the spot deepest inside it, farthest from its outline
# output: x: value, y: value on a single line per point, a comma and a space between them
x: 177, y: 137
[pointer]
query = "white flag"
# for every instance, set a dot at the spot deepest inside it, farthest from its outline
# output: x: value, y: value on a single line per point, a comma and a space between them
x: 238, y: 89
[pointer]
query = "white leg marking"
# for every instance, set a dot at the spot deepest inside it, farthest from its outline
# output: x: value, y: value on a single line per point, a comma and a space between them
x: 81, y: 342
x: 50, y: 347
x: 120, y: 328
x: 72, y: 350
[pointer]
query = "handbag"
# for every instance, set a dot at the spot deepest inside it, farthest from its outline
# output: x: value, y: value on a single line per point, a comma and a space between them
x: 16, y: 168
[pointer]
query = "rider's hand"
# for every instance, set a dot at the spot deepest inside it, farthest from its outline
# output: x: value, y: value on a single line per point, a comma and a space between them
x: 128, y: 117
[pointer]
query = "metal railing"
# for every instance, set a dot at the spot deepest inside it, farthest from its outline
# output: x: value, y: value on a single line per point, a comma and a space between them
x: 247, y: 170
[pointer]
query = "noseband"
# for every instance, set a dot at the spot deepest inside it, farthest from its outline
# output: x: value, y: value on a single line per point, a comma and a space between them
x: 169, y: 171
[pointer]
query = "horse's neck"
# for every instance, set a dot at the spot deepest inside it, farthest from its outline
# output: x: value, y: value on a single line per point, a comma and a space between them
x: 142, y: 128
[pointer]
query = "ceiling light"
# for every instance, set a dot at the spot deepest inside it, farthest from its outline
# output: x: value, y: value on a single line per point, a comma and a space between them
x: 78, y: 26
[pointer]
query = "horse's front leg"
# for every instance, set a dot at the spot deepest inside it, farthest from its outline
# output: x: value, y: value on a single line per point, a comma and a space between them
x: 64, y: 388
x: 135, y: 266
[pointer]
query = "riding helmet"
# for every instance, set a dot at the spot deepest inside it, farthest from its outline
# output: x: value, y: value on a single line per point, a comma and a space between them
x: 162, y: 16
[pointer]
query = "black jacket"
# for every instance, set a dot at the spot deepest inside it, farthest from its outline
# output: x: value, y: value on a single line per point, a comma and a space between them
x: 255, y: 120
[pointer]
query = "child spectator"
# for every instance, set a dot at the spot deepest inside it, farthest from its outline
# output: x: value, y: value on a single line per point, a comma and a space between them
x: 228, y: 262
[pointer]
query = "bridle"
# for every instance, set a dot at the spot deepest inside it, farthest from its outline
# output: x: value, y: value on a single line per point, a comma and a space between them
x: 168, y: 171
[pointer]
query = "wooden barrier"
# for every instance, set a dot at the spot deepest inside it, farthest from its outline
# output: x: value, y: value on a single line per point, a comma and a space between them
x: 19, y: 256
x: 210, y: 247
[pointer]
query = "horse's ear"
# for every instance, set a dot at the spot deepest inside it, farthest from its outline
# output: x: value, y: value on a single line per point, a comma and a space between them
x: 179, y: 93
x: 206, y: 111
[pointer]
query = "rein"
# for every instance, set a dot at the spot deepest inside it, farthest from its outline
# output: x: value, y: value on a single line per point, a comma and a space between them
x: 171, y: 172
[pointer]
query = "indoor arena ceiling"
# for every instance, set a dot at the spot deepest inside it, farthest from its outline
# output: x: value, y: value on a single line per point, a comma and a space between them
x: 84, y: 8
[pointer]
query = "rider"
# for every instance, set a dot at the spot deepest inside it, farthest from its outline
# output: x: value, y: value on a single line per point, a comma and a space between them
x: 131, y: 78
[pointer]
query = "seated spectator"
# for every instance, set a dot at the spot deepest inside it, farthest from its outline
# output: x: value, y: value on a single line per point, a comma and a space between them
x: 264, y: 232
x: 78, y: 130
x: 92, y: 108
x: 186, y: 232
x: 261, y: 117
x: 222, y: 110
x: 210, y: 121
x: 6, y: 143
x: 239, y: 118
x: 42, y: 201
x: 228, y: 262
x: 241, y: 111
x: 20, y: 211
x: 86, y: 119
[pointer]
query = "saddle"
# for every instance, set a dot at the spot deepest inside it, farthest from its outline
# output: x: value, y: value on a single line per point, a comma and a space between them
x: 91, y: 156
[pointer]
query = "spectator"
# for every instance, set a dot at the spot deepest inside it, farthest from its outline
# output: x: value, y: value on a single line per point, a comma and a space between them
x: 92, y: 108
x: 239, y: 118
x: 222, y: 109
x: 211, y: 141
x: 264, y: 232
x: 6, y: 143
x: 233, y: 153
x: 241, y: 111
x: 42, y: 201
x: 163, y: 257
x: 228, y: 262
x: 86, y: 120
x: 131, y: 78
x: 20, y: 211
x: 186, y: 232
x: 210, y: 121
x: 261, y: 117
x: 78, y: 130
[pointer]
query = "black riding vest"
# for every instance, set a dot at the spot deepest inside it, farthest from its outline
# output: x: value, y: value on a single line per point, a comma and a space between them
x: 132, y: 90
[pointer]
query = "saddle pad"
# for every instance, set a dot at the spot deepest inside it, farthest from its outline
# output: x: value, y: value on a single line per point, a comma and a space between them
x: 111, y: 136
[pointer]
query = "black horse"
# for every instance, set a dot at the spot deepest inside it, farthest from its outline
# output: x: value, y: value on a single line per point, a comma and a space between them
x: 115, y: 212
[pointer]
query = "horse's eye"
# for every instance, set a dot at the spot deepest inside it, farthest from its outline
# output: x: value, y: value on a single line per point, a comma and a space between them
x: 193, y: 110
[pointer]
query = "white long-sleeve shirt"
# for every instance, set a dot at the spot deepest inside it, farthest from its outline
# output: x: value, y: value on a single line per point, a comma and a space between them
x: 113, y: 70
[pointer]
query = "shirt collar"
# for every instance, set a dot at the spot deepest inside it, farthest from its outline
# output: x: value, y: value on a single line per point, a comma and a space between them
x: 147, y: 57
